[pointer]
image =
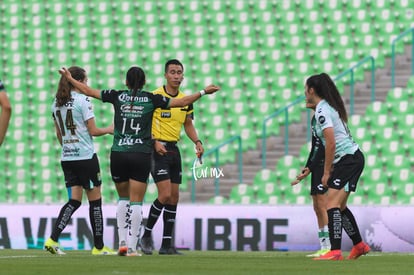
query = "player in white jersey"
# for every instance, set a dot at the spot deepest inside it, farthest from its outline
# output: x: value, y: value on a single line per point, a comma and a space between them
x: 343, y: 163
x: 75, y: 125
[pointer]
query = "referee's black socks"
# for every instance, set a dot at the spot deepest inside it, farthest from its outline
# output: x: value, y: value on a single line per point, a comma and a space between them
x: 153, y: 216
x: 170, y: 211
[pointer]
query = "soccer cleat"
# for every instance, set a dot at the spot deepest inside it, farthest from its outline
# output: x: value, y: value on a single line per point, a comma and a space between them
x: 53, y: 247
x: 169, y: 251
x: 122, y: 251
x: 104, y: 251
x: 358, y: 250
x: 147, y: 245
x: 131, y: 253
x: 318, y: 253
x: 332, y: 255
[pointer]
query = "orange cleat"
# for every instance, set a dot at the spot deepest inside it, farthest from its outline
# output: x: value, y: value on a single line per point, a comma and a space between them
x: 122, y: 251
x: 332, y: 255
x: 359, y: 250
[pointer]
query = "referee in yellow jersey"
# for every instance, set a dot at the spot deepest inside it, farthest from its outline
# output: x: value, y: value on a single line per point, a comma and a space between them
x: 166, y: 169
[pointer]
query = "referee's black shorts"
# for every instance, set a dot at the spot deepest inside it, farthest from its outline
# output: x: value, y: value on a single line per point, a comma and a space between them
x: 167, y: 166
x: 85, y: 173
x: 130, y: 165
x: 347, y: 171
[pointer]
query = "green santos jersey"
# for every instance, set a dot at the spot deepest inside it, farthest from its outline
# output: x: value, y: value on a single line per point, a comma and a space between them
x: 328, y: 117
x: 77, y: 143
x: 317, y: 154
x: 133, y: 118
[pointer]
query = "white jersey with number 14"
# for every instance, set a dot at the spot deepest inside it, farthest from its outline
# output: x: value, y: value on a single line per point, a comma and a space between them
x: 77, y: 143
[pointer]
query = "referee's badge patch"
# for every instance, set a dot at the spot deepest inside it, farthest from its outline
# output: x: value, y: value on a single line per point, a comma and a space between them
x: 165, y: 114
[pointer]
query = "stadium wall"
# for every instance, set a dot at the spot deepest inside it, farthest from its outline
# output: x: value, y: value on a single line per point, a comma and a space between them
x: 214, y: 227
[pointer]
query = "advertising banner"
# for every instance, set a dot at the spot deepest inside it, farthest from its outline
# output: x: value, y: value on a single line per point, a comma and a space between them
x: 213, y: 227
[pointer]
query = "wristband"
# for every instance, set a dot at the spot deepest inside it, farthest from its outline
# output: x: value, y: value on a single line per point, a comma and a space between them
x: 198, y: 141
x: 202, y: 92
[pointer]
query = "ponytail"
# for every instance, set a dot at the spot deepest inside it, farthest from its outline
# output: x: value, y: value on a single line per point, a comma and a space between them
x: 65, y: 87
x: 135, y: 79
x: 326, y: 89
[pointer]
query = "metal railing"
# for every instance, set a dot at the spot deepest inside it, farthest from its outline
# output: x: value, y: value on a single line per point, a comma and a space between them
x: 301, y: 99
x: 215, y: 151
x: 394, y: 41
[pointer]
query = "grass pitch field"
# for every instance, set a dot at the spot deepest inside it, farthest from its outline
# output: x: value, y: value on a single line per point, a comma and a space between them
x: 200, y: 262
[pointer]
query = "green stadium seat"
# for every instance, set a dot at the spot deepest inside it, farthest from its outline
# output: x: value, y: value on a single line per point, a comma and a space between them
x: 356, y: 121
x: 398, y: 94
x: 407, y: 130
x: 296, y: 194
x: 242, y: 193
x: 382, y: 135
x: 286, y: 176
x: 264, y: 191
x: 4, y: 193
x: 396, y: 162
x: 218, y: 200
x: 391, y: 147
x: 400, y: 110
x: 373, y: 161
x: 380, y: 193
x: 49, y: 192
x: 264, y: 176
x: 20, y: 193
x: 249, y: 139
x: 375, y: 121
x: 372, y: 175
x: 356, y: 199
x: 400, y: 175
x: 404, y: 193
x: 242, y: 200
x: 227, y: 152
x: 368, y: 147
x: 287, y: 161
x: 12, y: 15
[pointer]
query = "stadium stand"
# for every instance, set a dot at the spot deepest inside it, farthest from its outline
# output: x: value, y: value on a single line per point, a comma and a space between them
x: 258, y: 51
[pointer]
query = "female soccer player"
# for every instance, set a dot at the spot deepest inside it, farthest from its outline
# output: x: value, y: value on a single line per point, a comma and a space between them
x: 314, y: 165
x: 132, y: 146
x: 75, y: 126
x: 343, y: 163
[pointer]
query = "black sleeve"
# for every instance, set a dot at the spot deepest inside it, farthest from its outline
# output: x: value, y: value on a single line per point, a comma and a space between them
x: 160, y: 101
x: 109, y: 95
x: 191, y: 108
x: 316, y: 155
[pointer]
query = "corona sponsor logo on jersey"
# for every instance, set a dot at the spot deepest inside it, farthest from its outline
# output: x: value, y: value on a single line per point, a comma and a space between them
x: 128, y: 98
